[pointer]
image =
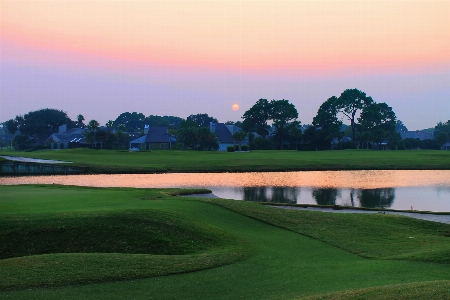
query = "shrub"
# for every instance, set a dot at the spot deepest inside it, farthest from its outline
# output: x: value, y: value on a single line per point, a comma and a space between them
x: 230, y: 148
x: 260, y: 143
x: 245, y: 148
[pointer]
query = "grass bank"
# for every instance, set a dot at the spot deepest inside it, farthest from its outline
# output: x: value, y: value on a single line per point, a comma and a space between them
x: 115, y: 162
x: 63, y: 242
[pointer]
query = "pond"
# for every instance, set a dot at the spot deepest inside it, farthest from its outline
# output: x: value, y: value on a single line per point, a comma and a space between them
x: 402, y: 190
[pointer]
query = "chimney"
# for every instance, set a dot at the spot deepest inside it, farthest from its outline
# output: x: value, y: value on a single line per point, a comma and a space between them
x: 146, y: 127
x: 212, y: 126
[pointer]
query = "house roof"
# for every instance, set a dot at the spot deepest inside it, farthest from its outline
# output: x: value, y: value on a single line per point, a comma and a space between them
x: 419, y: 135
x: 66, y: 137
x: 76, y: 131
x: 158, y: 135
x: 223, y: 133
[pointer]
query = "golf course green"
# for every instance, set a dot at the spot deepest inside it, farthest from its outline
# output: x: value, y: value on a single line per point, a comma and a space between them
x: 124, y: 162
x: 66, y: 242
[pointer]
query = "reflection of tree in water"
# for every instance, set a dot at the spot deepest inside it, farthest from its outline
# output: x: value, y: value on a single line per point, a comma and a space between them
x: 325, y: 196
x: 279, y: 194
x: 285, y: 194
x: 376, y: 198
x: 258, y: 194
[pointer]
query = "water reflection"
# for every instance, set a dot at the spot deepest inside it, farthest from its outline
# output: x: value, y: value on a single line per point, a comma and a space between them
x: 271, y: 194
x: 376, y: 198
x: 325, y: 196
x: 370, y: 198
x: 396, y: 189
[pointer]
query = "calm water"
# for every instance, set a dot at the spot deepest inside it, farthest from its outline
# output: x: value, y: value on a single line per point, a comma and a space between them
x: 421, y: 190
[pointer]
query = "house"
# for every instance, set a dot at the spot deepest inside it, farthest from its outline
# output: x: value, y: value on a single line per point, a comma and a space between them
x: 224, y: 133
x: 418, y: 135
x: 66, y: 139
x: 154, y: 138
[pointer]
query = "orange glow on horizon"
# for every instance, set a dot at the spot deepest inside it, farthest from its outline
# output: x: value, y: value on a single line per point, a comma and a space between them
x: 306, y: 38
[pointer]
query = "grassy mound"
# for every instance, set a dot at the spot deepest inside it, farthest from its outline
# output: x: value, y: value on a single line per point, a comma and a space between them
x: 433, y: 290
x: 39, y: 250
x: 132, y: 232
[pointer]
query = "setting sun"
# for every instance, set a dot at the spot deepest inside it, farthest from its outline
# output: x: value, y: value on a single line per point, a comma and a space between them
x: 235, y: 107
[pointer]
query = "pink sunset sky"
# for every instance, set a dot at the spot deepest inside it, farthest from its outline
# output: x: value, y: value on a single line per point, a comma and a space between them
x: 102, y: 58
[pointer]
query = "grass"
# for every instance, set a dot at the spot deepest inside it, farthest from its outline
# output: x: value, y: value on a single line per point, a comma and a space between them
x: 115, y: 162
x: 112, y: 243
x: 410, y: 291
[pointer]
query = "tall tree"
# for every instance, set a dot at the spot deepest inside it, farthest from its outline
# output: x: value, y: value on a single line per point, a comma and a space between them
x: 93, y: 127
x: 12, y: 126
x: 202, y: 120
x: 133, y: 121
x: 351, y: 102
x: 377, y: 122
x: 326, y: 123
x: 256, y: 118
x: 43, y: 121
x: 282, y: 113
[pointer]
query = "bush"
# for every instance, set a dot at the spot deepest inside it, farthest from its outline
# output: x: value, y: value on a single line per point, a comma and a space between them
x: 245, y: 148
x: 38, y: 147
x: 230, y: 149
x: 260, y: 143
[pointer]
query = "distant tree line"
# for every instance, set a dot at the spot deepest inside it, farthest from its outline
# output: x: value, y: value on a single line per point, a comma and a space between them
x: 270, y: 124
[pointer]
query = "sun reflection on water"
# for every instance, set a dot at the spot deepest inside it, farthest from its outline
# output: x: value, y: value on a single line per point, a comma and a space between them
x: 370, y: 179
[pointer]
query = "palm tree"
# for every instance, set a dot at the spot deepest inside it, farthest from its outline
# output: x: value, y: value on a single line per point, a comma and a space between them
x: 93, y: 126
x: 80, y: 120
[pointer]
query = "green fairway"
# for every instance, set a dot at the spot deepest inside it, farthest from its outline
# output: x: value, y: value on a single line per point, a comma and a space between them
x: 111, y: 161
x: 63, y: 242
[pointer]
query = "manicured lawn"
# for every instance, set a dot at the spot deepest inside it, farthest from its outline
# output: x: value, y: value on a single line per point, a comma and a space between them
x: 112, y: 161
x: 63, y: 242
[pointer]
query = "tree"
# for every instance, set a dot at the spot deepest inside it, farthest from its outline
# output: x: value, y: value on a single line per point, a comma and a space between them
x: 349, y: 103
x: 80, y: 119
x: 326, y: 124
x: 237, y: 123
x: 122, y: 140
x: 377, y: 122
x: 256, y: 118
x: 133, y: 121
x: 238, y: 137
x: 282, y: 113
x: 399, y: 126
x: 202, y: 120
x: 12, y: 126
x: 20, y: 142
x: 441, y: 138
x: 157, y: 121
x: 93, y: 126
x: 43, y: 121
x: 109, y: 124
x: 206, y: 139
x: 103, y: 137
x: 294, y: 135
x: 187, y: 135
x: 443, y: 127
